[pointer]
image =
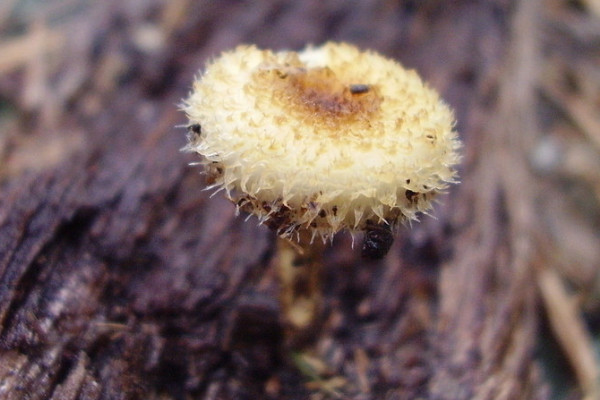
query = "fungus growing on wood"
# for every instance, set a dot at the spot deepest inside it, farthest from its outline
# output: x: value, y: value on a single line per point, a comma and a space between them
x: 322, y: 140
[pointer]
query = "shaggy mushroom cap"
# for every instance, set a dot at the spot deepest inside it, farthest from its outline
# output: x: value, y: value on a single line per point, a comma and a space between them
x: 324, y: 139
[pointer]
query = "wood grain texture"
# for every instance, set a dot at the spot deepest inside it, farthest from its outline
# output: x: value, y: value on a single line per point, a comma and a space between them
x: 120, y: 278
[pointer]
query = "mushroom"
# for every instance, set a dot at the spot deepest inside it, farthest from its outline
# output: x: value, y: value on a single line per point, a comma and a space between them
x: 313, y: 142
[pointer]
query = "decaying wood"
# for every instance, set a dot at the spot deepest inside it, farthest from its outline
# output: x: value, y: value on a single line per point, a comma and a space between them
x: 120, y: 278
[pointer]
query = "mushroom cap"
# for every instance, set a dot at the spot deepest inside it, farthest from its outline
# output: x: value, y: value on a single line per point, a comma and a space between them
x: 324, y: 139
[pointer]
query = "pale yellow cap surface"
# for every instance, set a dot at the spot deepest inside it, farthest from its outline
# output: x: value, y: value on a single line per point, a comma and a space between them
x: 324, y: 139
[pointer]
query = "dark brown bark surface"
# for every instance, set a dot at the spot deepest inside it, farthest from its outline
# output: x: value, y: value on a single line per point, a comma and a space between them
x: 121, y: 279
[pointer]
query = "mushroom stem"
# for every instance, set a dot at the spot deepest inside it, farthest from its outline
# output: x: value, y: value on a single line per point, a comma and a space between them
x: 299, y: 266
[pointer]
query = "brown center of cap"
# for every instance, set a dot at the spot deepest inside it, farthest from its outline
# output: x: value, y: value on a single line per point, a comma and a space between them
x: 317, y: 95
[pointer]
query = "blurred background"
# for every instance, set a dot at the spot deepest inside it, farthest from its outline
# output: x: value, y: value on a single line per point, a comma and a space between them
x: 119, y: 278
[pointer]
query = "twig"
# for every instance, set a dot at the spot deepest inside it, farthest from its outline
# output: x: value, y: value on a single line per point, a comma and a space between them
x: 570, y: 331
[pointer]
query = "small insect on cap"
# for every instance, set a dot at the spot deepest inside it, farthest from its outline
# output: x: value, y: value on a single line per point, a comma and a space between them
x: 325, y: 139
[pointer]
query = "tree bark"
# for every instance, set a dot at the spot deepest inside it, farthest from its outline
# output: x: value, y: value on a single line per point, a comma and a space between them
x: 120, y: 278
